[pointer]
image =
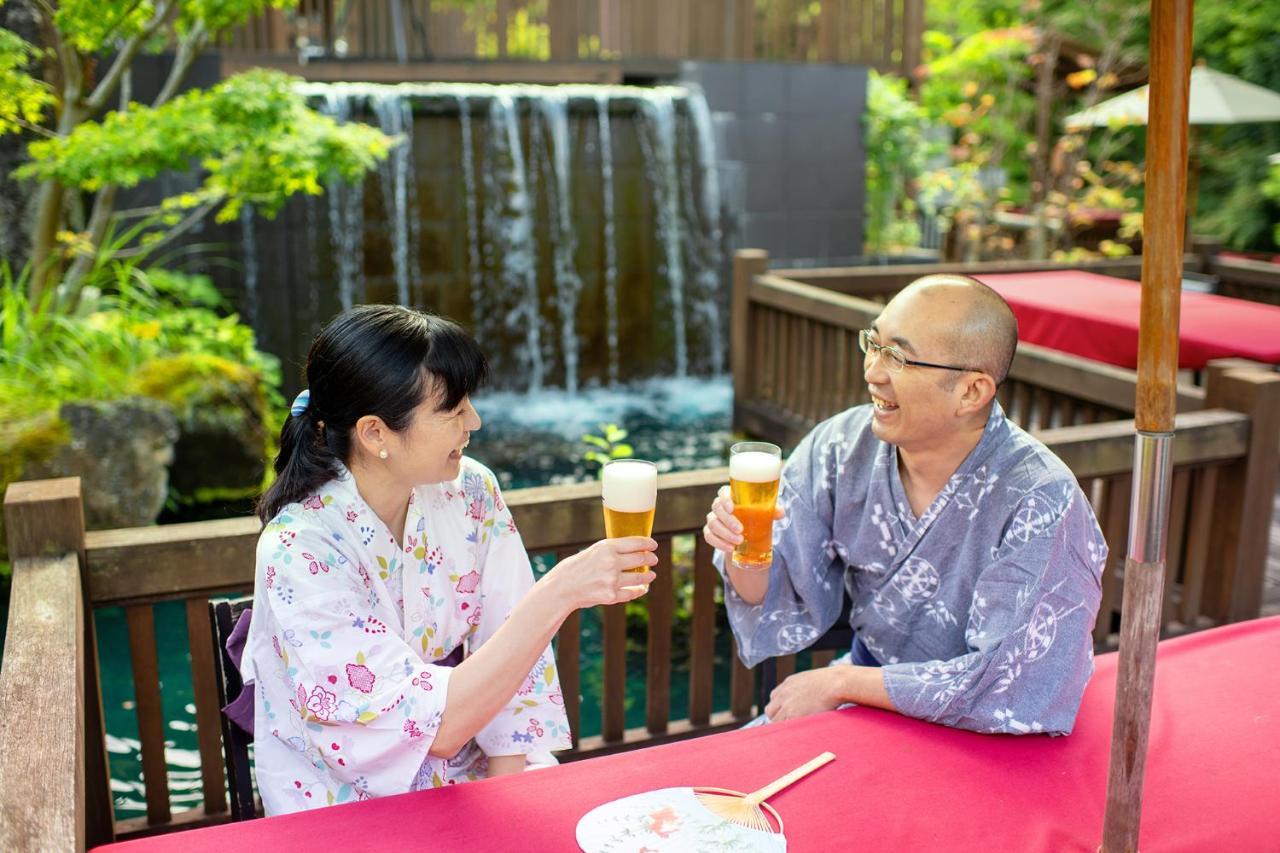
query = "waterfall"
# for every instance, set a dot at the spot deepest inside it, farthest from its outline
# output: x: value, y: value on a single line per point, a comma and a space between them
x: 346, y: 213
x: 709, y: 234
x: 395, y: 118
x: 475, y: 274
x: 610, y: 246
x: 554, y: 108
x: 513, y: 227
x: 312, y: 218
x: 508, y: 253
x: 249, y: 251
x: 659, y: 145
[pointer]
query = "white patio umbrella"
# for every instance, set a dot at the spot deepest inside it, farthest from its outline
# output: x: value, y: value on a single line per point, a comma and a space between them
x: 1216, y: 98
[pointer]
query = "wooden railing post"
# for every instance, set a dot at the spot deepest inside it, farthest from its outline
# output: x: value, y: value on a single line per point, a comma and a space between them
x: 747, y: 264
x: 1247, y: 491
x: 44, y: 523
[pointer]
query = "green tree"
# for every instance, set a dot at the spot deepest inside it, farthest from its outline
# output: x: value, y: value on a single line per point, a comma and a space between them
x: 252, y: 135
x: 1240, y: 39
x: 896, y: 154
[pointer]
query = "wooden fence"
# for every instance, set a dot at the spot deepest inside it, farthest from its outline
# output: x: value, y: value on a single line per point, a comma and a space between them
x: 140, y: 567
x: 883, y: 34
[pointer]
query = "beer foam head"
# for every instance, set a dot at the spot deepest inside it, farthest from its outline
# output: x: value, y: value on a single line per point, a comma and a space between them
x: 630, y: 486
x: 754, y: 467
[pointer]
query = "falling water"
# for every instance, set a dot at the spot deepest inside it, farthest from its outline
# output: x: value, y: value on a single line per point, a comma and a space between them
x: 249, y: 248
x: 709, y: 235
x: 660, y: 155
x: 506, y: 180
x: 395, y: 118
x: 346, y: 213
x: 469, y: 200
x: 610, y: 246
x: 515, y: 225
x: 313, y: 239
x: 555, y: 114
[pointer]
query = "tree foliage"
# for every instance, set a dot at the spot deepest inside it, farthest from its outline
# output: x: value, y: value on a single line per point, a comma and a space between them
x: 896, y: 146
x: 252, y: 136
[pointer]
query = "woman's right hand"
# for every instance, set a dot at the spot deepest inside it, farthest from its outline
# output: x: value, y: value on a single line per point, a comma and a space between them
x: 598, y: 574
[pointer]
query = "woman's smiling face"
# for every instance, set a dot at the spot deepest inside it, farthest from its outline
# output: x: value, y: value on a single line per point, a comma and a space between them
x: 430, y: 449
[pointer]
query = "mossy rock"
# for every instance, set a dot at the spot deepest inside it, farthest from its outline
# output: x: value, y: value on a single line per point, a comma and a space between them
x: 24, y: 444
x: 221, y: 408
x: 120, y: 450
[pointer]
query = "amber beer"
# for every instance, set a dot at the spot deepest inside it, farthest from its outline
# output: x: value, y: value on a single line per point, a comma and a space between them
x: 630, y: 493
x: 754, y: 470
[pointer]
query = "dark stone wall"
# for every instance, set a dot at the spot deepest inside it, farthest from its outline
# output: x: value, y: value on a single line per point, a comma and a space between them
x: 789, y: 138
x: 16, y: 196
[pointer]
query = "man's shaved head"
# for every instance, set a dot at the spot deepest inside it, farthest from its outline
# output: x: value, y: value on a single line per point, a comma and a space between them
x: 985, y: 334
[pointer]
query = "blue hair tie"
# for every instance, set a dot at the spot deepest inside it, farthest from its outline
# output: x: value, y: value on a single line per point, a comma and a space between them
x: 300, y: 402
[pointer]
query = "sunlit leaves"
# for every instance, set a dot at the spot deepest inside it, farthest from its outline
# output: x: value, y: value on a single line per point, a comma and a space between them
x: 252, y: 134
x: 23, y: 98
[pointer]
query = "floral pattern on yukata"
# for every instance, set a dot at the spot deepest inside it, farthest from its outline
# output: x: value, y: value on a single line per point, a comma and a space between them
x: 981, y: 609
x: 349, y: 631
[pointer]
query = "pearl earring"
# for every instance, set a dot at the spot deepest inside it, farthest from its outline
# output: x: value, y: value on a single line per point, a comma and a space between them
x: 382, y: 454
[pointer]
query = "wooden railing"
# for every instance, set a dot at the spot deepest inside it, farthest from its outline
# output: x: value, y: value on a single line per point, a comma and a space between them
x: 884, y: 34
x: 137, y: 568
x: 1252, y: 280
x: 796, y: 359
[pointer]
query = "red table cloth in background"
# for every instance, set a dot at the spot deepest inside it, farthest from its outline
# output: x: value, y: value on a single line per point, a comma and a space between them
x: 1212, y: 778
x: 1096, y: 316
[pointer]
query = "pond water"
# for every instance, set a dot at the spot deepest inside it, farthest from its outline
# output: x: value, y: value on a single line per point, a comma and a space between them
x: 528, y: 440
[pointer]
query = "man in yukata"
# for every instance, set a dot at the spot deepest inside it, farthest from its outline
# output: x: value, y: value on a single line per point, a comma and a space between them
x: 971, y: 558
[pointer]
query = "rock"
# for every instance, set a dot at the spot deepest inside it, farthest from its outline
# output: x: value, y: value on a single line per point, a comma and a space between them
x: 221, y: 409
x: 121, y: 451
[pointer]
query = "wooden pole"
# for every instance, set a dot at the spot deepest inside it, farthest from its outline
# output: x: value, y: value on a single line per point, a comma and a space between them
x: 1156, y: 404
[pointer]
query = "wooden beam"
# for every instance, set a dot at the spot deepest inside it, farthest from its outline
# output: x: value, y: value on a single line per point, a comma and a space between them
x: 46, y: 518
x: 42, y: 757
x: 474, y: 71
x: 1241, y: 531
x: 1156, y: 405
x: 151, y: 563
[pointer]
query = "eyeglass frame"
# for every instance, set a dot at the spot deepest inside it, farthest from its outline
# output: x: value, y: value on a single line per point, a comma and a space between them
x: 869, y: 346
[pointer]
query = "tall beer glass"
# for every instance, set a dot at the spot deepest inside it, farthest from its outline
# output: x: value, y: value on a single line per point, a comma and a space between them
x: 754, y: 470
x: 630, y: 493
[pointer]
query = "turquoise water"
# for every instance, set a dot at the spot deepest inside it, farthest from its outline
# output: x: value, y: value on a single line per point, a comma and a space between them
x: 681, y: 424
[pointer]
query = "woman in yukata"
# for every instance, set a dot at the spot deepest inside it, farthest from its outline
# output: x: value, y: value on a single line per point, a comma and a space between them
x: 398, y: 640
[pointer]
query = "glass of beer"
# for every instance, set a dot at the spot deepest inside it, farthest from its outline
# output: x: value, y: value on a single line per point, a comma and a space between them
x: 754, y: 470
x: 630, y: 493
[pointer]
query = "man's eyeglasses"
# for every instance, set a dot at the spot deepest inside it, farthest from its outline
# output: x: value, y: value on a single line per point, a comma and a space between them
x: 894, y: 360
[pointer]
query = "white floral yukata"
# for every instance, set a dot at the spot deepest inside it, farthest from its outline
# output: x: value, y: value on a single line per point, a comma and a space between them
x: 980, y: 611
x: 349, y: 631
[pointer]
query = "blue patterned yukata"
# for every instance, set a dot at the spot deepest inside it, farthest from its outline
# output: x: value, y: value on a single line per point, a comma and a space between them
x: 980, y: 611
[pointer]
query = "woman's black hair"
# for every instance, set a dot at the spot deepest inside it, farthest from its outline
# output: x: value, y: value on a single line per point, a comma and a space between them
x: 379, y: 360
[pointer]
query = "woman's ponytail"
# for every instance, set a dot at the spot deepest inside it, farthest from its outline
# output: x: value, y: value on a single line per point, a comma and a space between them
x: 304, y: 464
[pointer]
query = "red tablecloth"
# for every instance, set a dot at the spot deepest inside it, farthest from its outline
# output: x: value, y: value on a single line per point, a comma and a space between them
x: 1096, y: 316
x: 1212, y: 779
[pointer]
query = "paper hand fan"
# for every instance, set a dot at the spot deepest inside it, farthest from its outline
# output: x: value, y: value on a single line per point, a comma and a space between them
x: 682, y: 820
